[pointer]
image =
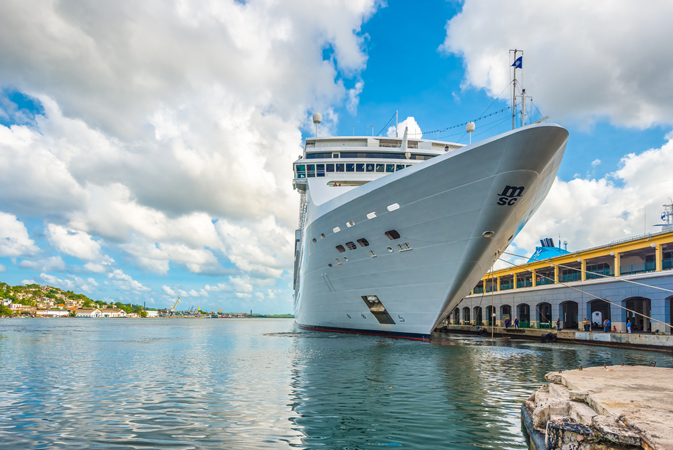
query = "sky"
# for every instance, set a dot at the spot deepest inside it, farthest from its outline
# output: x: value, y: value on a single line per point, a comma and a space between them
x: 146, y: 148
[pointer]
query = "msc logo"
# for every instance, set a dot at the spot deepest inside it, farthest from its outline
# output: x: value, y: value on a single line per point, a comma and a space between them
x: 510, y: 195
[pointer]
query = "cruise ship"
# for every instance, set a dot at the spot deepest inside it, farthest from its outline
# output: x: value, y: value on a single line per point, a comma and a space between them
x: 393, y: 232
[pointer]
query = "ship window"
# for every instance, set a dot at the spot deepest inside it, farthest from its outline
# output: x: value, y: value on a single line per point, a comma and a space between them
x: 350, y: 224
x: 340, y: 248
x: 393, y: 234
x: 359, y: 167
x: 370, y: 167
x: 404, y: 247
x: 399, y: 167
x: 329, y: 265
x: 371, y: 252
x: 371, y: 215
x: 351, y: 245
x: 345, y: 259
x: 310, y: 168
x: 350, y: 167
x: 322, y: 235
x: 320, y: 168
x: 393, y: 207
x: 329, y: 167
x: 390, y: 249
x: 301, y: 171
x: 336, y: 229
x: 363, y: 242
x: 339, y: 167
x: 390, y: 168
x: 380, y: 167
x: 315, y: 240
x: 335, y: 155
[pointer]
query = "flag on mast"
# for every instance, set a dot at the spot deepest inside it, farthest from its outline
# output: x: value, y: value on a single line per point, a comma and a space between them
x: 518, y: 63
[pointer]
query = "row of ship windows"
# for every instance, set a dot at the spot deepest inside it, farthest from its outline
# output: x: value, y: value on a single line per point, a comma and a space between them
x: 319, y: 170
x: 401, y: 247
x: 334, y: 155
x: 391, y: 234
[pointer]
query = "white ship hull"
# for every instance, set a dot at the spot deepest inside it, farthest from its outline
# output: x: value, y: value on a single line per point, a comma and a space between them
x: 446, y: 204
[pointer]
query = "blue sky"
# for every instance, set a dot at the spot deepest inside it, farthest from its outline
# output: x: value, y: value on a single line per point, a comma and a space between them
x: 146, y: 153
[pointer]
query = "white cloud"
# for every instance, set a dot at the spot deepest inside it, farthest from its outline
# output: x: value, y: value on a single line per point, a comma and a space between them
x: 593, y: 212
x: 126, y: 282
x: 240, y: 284
x: 28, y: 282
x: 70, y: 283
x: 73, y: 242
x: 213, y: 96
x: 354, y: 97
x: 168, y: 290
x: 259, y: 295
x: 414, y: 131
x: 53, y: 263
x: 3, y: 268
x: 595, y: 162
x: 14, y: 239
x: 584, y: 60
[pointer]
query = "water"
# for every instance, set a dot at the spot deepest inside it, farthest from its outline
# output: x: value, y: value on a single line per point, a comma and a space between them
x: 259, y: 383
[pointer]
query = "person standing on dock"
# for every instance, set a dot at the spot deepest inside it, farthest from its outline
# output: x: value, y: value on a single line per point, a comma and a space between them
x: 608, y: 325
x: 586, y: 324
x: 558, y: 324
x: 628, y: 326
x: 605, y: 325
x: 516, y: 322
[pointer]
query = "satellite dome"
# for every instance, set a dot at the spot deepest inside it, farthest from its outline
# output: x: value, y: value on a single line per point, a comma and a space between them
x: 317, y: 118
x: 469, y: 127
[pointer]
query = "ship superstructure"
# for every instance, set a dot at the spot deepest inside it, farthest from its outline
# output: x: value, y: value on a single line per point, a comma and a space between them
x: 395, y: 231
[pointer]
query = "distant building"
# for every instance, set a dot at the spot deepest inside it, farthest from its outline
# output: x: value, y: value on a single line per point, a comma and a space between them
x: 541, y: 292
x: 52, y: 313
x: 152, y: 313
x: 87, y: 312
x: 112, y: 312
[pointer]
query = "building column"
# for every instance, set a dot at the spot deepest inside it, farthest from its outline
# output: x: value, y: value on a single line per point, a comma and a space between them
x: 534, y: 278
x: 514, y: 282
x: 555, y: 273
x: 583, y: 266
x: 659, y: 257
x: 498, y: 282
x: 617, y: 264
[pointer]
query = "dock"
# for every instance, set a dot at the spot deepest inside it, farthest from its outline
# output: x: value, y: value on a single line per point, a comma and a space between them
x: 610, y: 407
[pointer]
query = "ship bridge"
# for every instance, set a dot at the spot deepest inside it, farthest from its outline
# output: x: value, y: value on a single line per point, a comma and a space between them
x: 347, y: 162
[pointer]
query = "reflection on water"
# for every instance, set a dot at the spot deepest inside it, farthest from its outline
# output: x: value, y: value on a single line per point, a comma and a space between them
x: 160, y: 383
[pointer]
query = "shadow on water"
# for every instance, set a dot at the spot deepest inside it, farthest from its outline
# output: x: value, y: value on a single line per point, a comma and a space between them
x: 250, y: 383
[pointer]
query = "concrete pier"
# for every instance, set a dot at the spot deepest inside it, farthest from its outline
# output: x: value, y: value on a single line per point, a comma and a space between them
x: 613, y: 407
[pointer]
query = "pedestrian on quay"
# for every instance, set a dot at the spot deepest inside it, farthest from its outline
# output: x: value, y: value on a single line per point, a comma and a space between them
x: 507, y: 322
x: 586, y: 324
x: 558, y: 324
x: 608, y: 325
x: 605, y: 325
x: 516, y: 322
x: 628, y: 326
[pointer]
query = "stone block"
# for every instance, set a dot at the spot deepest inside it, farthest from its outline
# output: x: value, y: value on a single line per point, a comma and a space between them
x: 545, y: 410
x: 566, y: 433
x: 581, y: 412
x: 613, y: 430
x: 559, y: 391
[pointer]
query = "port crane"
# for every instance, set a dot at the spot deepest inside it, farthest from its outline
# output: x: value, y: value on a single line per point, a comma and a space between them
x: 172, y: 310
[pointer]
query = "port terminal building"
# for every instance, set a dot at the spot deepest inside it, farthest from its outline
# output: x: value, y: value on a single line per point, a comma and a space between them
x: 634, y: 273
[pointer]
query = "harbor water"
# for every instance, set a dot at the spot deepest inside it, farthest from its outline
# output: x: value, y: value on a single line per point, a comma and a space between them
x: 261, y: 383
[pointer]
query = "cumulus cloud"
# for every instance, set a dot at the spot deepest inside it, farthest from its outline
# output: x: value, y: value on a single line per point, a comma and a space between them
x: 70, y: 283
x: 414, y: 130
x: 354, y: 97
x: 53, y: 263
x: 581, y: 59
x: 592, y: 212
x: 73, y: 242
x: 3, y: 268
x: 167, y: 130
x: 168, y: 290
x: 14, y: 239
x: 126, y: 282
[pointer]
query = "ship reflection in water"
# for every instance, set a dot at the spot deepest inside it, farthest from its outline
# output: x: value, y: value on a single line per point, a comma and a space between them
x: 259, y: 383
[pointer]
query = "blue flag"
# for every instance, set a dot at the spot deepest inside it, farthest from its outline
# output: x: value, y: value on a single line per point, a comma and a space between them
x: 518, y: 63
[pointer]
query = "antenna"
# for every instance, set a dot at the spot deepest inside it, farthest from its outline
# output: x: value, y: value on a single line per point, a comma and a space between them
x: 469, y: 128
x: 516, y: 64
x: 396, y: 124
x: 317, y: 118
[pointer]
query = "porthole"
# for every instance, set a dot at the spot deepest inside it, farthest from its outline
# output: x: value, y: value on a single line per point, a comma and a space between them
x: 390, y: 249
x: 322, y: 235
x: 329, y: 265
x: 371, y: 215
x: 348, y: 315
x: 340, y: 248
x: 336, y: 229
x: 315, y: 240
x: 350, y: 223
x: 345, y: 258
x: 392, y: 234
x: 363, y: 242
x: 351, y: 245
x: 363, y: 316
x: 393, y: 207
